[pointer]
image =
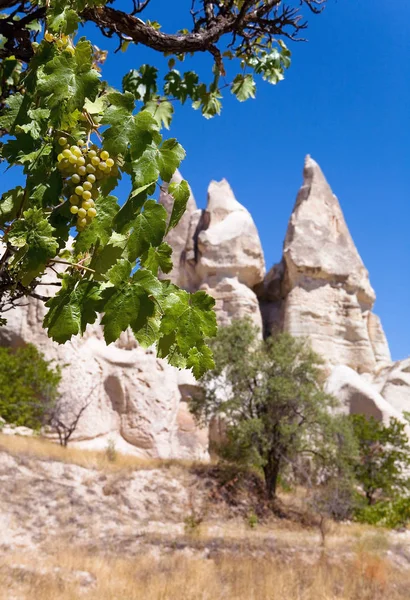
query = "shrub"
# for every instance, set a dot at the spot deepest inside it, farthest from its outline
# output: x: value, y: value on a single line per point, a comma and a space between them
x: 28, y: 386
x: 382, y: 465
x: 391, y: 514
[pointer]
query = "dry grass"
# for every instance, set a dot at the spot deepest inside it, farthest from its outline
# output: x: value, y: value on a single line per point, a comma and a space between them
x: 43, y: 449
x: 366, y: 576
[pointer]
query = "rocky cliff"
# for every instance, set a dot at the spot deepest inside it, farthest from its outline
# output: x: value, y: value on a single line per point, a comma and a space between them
x: 320, y: 289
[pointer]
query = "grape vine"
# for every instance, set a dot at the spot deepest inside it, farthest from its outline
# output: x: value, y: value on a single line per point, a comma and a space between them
x: 73, y: 137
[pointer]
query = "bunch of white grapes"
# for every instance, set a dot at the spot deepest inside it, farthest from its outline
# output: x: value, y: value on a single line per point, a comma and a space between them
x: 84, y: 168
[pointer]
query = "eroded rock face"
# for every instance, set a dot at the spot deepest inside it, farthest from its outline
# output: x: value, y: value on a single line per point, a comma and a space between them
x: 359, y: 396
x: 222, y: 255
x: 321, y: 289
x: 393, y: 383
x: 134, y: 398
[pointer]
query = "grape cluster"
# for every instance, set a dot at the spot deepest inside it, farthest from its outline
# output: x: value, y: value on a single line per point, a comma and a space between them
x: 84, y: 169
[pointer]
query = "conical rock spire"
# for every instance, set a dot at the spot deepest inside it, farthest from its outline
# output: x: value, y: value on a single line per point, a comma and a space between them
x: 321, y: 288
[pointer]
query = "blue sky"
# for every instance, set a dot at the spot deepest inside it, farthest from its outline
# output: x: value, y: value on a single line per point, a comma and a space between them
x: 345, y: 101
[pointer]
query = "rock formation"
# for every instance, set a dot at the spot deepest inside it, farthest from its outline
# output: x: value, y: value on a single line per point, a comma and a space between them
x: 320, y: 289
x: 135, y: 400
x: 222, y: 255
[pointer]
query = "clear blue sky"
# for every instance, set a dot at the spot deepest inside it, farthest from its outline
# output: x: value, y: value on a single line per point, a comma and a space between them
x: 345, y: 101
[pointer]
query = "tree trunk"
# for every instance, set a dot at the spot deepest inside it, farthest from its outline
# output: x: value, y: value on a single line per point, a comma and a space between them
x: 271, y: 472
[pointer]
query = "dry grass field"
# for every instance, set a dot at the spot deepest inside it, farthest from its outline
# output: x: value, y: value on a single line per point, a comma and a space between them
x: 68, y: 575
x: 76, y: 525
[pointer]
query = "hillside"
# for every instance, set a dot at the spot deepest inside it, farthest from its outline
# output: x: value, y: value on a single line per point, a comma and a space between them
x: 75, y: 524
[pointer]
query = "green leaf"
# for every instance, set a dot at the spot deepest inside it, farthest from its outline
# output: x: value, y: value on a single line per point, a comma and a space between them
x: 191, y: 317
x: 10, y: 204
x: 148, y: 229
x: 99, y: 231
x: 72, y: 308
x: 62, y: 18
x: 243, y: 87
x: 12, y: 115
x: 127, y: 303
x: 181, y: 193
x: 200, y: 360
x: 97, y: 107
x: 106, y: 256
x: 158, y: 258
x: 208, y: 102
x: 126, y: 130
x: 68, y: 80
x: 171, y: 154
x: 144, y: 170
x: 126, y: 215
x: 143, y: 83
x: 161, y: 110
x: 181, y: 87
x: 34, y: 234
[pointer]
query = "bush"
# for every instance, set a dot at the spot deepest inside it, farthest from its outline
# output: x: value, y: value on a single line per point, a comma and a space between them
x: 391, y: 514
x: 383, y: 462
x: 28, y: 386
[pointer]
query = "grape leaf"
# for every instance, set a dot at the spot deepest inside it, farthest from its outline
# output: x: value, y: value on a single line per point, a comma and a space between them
x: 148, y: 229
x: 127, y: 302
x: 105, y: 257
x: 200, y: 360
x: 143, y: 83
x: 144, y: 170
x: 62, y: 18
x: 180, y: 192
x: 34, y: 234
x: 161, y: 110
x: 72, y: 308
x: 170, y: 156
x: 243, y: 87
x: 158, y: 258
x: 10, y: 204
x: 191, y: 317
x: 125, y: 129
x: 99, y: 231
x: 70, y: 79
x: 12, y: 115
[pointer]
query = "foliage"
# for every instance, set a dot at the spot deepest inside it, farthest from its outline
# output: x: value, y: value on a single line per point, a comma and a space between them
x: 384, y: 458
x: 392, y: 514
x: 28, y: 386
x: 270, y: 397
x: 73, y: 137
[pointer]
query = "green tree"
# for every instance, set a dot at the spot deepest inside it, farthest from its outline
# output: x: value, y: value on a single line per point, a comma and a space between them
x: 270, y: 397
x: 73, y: 136
x: 28, y: 386
x: 382, y: 467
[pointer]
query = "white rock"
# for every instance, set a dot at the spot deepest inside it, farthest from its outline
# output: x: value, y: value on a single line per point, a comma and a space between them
x: 229, y: 246
x: 393, y: 383
x: 177, y: 237
x: 359, y: 396
x: 321, y: 288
